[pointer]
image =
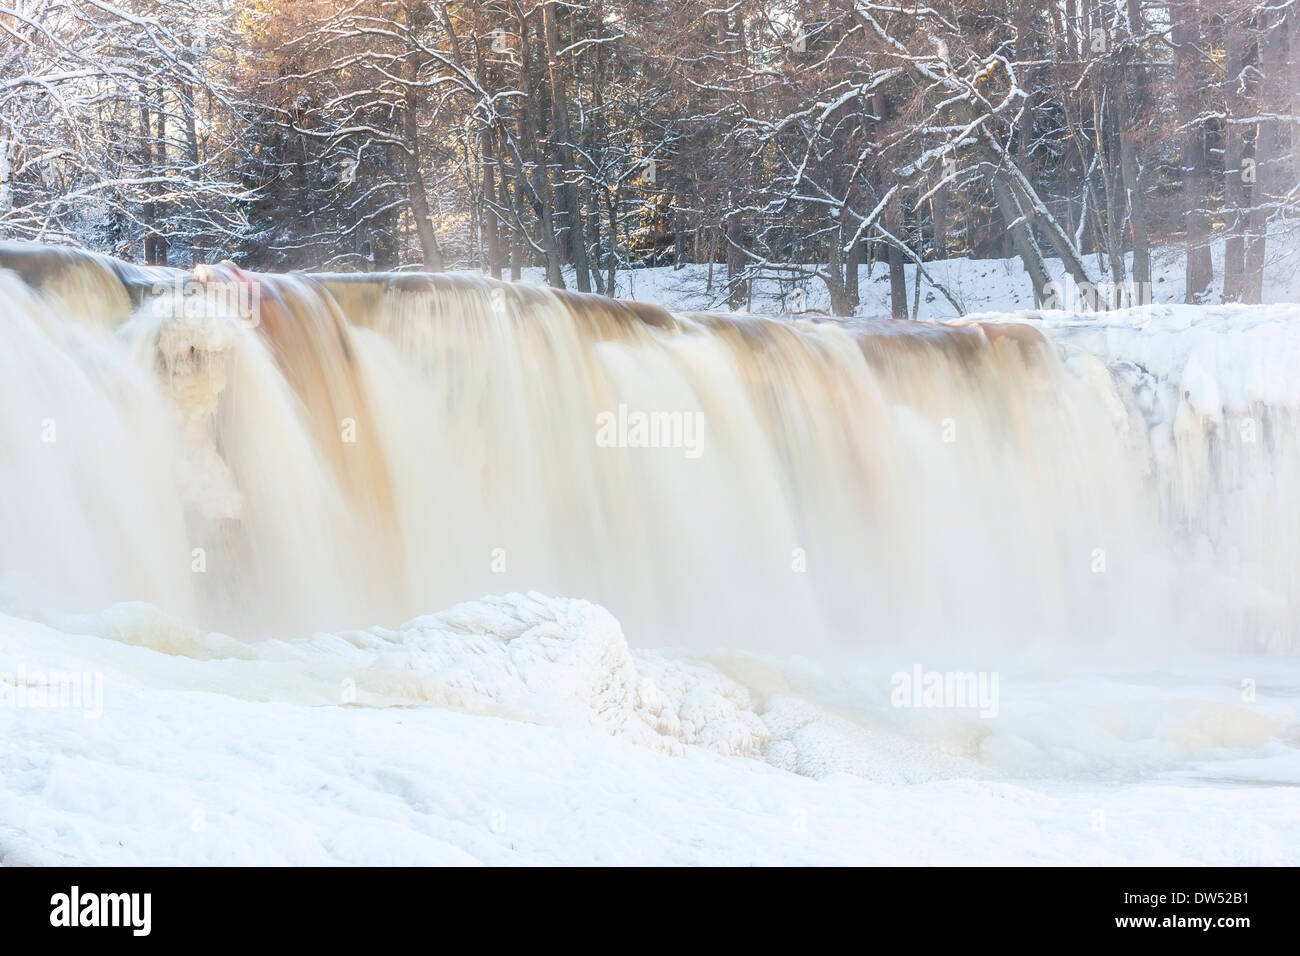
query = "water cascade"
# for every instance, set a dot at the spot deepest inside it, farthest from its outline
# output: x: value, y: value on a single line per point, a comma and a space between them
x: 272, y: 455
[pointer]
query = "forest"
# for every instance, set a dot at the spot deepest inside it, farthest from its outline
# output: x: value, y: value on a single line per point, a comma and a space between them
x: 792, y: 138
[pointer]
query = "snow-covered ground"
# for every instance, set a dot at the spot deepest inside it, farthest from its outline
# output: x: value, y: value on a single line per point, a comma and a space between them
x: 978, y: 285
x: 523, y: 730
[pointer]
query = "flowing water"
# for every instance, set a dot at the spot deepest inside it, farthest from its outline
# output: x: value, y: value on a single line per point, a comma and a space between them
x: 271, y: 455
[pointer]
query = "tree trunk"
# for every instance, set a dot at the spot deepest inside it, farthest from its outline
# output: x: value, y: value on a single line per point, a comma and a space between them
x: 1111, y: 182
x: 149, y: 211
x: 568, y: 197
x: 1268, y: 146
x: 492, y: 203
x: 736, y: 291
x: 198, y: 241
x: 897, y: 272
x: 1186, y: 38
x: 540, y: 179
x: 853, y: 261
x: 1235, y: 169
x: 415, y: 185
x: 1022, y: 238
x: 679, y: 236
x: 834, y: 277
x: 1137, y: 218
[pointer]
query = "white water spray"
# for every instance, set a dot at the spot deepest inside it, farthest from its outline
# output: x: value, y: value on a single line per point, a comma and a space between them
x: 373, y: 448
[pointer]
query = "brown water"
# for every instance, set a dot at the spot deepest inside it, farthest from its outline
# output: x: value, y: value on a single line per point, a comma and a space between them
x: 276, y: 454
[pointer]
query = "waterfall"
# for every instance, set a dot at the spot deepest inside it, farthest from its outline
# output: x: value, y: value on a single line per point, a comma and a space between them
x: 280, y: 454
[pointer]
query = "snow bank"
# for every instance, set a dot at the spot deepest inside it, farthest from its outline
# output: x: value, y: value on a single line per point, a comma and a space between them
x: 979, y: 285
x: 1219, y: 358
x: 524, y: 657
x: 521, y: 729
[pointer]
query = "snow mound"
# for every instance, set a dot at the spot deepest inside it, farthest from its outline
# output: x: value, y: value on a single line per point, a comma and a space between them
x: 556, y: 661
x: 525, y: 657
x: 550, y: 661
